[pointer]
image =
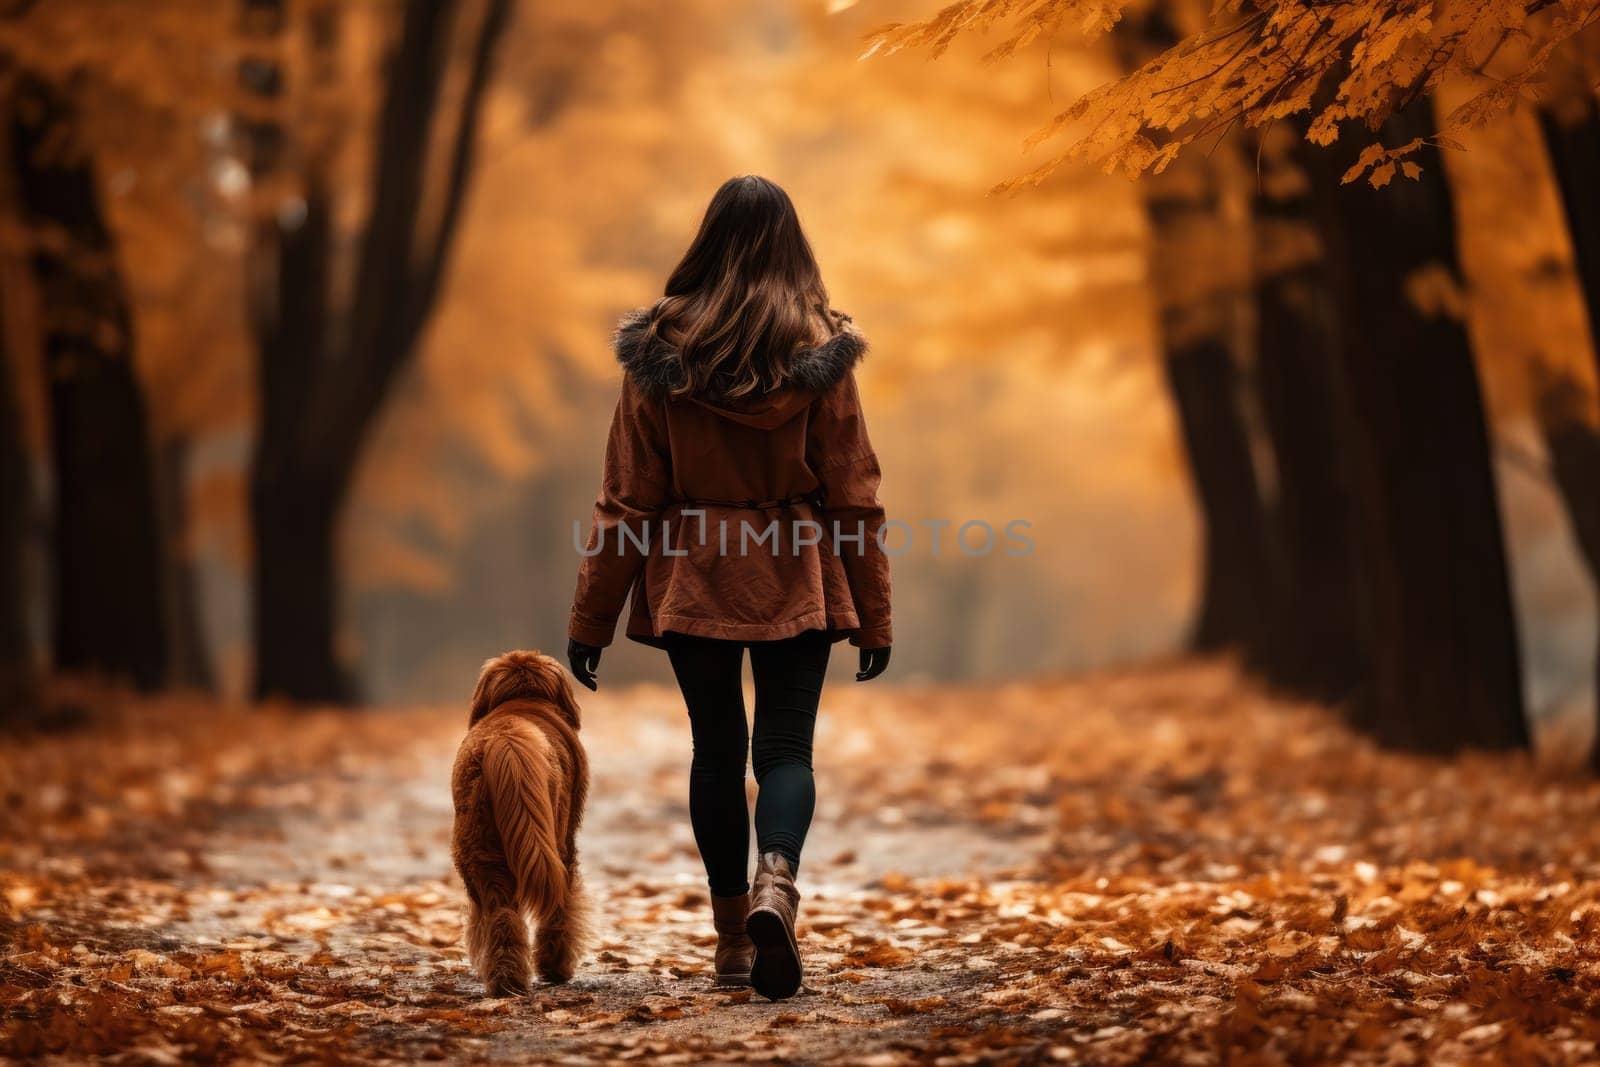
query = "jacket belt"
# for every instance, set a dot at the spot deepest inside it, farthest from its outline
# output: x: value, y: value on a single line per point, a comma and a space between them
x: 814, y: 498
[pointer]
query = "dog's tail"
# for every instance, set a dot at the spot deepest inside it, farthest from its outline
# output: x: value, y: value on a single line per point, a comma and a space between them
x: 517, y: 768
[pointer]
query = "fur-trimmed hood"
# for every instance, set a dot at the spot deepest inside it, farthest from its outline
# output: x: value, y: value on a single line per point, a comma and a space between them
x: 655, y: 367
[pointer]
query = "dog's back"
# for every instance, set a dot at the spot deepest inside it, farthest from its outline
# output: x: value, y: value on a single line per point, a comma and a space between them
x: 519, y: 785
x: 515, y: 780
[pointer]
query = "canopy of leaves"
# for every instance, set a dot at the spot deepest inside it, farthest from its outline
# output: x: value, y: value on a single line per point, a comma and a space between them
x: 1331, y: 65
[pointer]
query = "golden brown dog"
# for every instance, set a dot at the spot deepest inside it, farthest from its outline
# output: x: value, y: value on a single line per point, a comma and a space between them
x: 519, y: 785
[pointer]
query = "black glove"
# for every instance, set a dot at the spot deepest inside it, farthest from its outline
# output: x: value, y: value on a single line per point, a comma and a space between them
x: 874, y: 661
x: 585, y: 660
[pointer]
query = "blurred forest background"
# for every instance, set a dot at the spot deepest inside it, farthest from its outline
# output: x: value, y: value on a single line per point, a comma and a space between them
x: 305, y: 311
x: 1281, y: 329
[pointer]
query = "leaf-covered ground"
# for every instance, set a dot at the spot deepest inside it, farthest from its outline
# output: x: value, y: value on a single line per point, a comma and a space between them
x: 1160, y: 866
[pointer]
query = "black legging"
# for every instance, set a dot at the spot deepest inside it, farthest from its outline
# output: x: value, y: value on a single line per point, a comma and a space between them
x: 788, y: 677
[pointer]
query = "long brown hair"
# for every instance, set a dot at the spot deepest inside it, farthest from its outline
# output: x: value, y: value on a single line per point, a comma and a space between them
x: 746, y: 296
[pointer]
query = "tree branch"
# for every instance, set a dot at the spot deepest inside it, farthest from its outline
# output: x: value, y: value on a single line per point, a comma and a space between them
x: 423, y: 290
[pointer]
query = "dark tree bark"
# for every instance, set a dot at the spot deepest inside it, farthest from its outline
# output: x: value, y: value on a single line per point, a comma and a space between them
x: 109, y: 612
x: 1445, y: 666
x: 16, y: 504
x: 322, y: 387
x: 1237, y: 596
x: 1318, y: 651
x: 1573, y: 145
x: 1239, y: 599
x: 293, y: 514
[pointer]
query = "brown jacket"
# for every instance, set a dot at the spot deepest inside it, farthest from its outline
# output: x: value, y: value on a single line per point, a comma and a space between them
x: 766, y: 482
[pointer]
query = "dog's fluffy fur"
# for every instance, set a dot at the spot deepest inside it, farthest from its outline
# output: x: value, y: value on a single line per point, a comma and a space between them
x: 519, y: 786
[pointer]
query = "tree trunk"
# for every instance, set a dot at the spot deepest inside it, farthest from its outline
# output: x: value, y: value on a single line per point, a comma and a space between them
x: 189, y: 652
x: 16, y: 504
x: 295, y: 521
x: 109, y: 612
x: 1574, y: 148
x: 1239, y: 601
x: 1319, y: 654
x: 1237, y: 594
x: 1573, y: 145
x: 296, y: 607
x: 1445, y: 665
x: 319, y: 405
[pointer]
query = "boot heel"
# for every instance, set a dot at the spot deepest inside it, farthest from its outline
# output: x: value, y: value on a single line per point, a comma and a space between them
x: 777, y: 972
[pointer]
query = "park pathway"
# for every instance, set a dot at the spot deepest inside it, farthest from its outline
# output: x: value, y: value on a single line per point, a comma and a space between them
x: 1155, y: 866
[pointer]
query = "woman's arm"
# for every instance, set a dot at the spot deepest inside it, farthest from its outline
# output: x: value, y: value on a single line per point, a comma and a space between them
x: 633, y: 490
x: 841, y: 454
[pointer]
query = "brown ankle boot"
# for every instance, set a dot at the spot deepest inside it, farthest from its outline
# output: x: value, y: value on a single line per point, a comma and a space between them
x: 734, y: 949
x: 776, y: 973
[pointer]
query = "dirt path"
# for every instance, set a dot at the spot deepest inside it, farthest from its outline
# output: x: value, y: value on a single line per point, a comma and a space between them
x: 308, y: 884
x: 1156, y: 867
x: 646, y: 985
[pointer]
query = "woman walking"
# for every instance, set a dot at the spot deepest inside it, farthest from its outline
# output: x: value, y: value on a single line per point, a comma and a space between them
x: 739, y: 508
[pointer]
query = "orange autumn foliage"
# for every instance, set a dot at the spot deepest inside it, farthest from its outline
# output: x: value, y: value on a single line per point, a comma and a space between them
x: 1346, y: 67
